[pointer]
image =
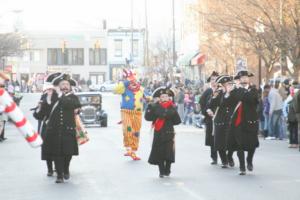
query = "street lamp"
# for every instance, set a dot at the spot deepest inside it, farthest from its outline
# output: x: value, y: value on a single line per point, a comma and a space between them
x: 259, y: 29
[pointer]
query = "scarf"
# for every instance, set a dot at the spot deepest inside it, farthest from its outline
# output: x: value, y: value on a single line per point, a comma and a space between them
x: 159, y: 123
x: 239, y: 116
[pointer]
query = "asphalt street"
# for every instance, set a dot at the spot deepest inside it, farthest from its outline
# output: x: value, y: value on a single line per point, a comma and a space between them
x: 101, y: 172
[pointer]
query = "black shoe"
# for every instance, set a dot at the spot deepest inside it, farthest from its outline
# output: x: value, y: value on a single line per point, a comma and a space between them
x: 67, y: 176
x: 224, y: 166
x: 214, y: 162
x: 242, y: 172
x: 161, y: 176
x: 167, y: 173
x: 231, y: 163
x: 250, y: 167
x: 59, y: 180
x: 50, y: 173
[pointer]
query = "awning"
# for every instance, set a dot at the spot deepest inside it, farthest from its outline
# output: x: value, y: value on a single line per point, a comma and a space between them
x: 185, y: 60
x: 198, y: 59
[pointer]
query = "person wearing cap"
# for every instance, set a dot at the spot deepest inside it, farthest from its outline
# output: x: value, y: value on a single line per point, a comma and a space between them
x: 220, y: 109
x: 204, y: 102
x: 42, y: 112
x: 131, y: 111
x: 60, y: 140
x: 245, y: 121
x: 164, y: 117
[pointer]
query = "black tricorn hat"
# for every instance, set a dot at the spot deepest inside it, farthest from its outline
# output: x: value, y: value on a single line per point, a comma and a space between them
x: 224, y: 79
x: 52, y: 76
x: 214, y: 73
x: 64, y: 77
x: 243, y: 73
x: 163, y: 90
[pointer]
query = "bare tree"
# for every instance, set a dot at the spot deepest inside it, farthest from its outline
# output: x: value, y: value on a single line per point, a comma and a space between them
x: 11, y: 44
x: 280, y: 37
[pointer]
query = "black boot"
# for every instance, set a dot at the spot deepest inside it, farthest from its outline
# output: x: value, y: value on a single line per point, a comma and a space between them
x: 242, y: 171
x: 50, y: 168
x: 250, y: 167
x: 161, y: 168
x: 59, y: 178
x: 168, y: 168
x: 66, y: 168
x: 214, y: 162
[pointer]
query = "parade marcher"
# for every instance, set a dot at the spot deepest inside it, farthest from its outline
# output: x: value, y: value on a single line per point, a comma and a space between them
x: 245, y: 121
x: 131, y: 111
x: 164, y: 116
x: 60, y: 140
x: 42, y: 112
x: 221, y: 108
x: 204, y: 102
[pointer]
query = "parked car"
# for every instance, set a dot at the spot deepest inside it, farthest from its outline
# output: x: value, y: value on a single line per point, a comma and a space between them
x: 91, y: 109
x: 103, y: 87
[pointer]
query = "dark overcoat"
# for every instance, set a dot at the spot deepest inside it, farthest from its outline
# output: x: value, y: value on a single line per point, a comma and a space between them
x: 42, y: 116
x: 60, y: 138
x: 246, y: 133
x: 204, y: 103
x: 223, y: 106
x: 163, y: 146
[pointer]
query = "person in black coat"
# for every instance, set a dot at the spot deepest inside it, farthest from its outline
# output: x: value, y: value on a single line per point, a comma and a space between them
x: 41, y: 113
x: 221, y: 108
x: 204, y: 102
x: 60, y: 140
x: 164, y: 116
x: 245, y: 121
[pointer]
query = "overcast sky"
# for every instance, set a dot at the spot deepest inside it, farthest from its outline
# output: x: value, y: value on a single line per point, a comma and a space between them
x: 46, y: 15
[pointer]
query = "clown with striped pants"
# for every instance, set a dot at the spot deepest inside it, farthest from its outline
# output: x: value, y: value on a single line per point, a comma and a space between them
x: 131, y: 111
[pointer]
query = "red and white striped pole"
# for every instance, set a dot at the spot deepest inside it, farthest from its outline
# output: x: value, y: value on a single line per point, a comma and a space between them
x: 17, y: 116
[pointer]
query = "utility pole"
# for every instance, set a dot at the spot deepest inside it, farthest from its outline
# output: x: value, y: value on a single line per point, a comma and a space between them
x: 131, y: 54
x: 174, y: 48
x: 146, y: 57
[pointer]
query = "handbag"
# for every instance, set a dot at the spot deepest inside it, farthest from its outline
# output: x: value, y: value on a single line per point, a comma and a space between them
x: 81, y: 133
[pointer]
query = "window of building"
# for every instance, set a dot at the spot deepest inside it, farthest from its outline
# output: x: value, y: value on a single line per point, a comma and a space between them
x: 32, y: 56
x: 68, y: 57
x: 135, y: 48
x: 118, y: 48
x: 98, y: 56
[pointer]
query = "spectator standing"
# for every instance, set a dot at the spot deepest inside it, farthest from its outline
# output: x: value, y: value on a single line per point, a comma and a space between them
x: 180, y: 103
x: 276, y: 105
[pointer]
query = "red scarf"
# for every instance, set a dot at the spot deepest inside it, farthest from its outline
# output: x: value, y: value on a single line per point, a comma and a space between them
x: 239, y: 116
x: 159, y: 123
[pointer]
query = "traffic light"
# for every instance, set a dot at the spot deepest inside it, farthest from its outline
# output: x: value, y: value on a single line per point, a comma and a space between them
x: 97, y: 44
x: 63, y: 46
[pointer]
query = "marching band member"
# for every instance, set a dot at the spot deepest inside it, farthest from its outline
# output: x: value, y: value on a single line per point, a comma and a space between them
x: 60, y: 140
x: 221, y: 108
x: 164, y: 116
x: 244, y: 123
x: 204, y: 102
x: 42, y: 112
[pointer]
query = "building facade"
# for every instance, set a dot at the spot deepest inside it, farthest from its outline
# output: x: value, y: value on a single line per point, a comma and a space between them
x: 125, y: 48
x: 82, y: 54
